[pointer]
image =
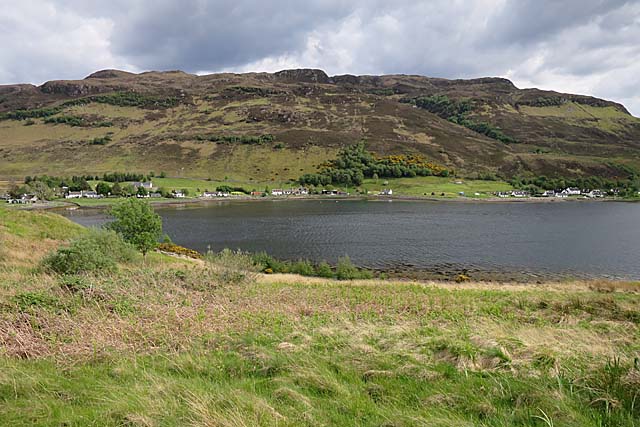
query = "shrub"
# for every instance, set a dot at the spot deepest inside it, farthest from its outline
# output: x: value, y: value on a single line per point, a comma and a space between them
x: 461, y: 278
x: 324, y: 270
x: 265, y: 262
x: 179, y: 250
x: 303, y: 268
x: 98, y: 250
x: 345, y: 269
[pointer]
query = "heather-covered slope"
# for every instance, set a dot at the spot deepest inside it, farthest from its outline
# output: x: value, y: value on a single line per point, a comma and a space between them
x: 271, y: 127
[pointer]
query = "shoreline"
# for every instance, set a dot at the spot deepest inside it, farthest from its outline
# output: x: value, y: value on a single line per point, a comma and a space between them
x: 61, y: 204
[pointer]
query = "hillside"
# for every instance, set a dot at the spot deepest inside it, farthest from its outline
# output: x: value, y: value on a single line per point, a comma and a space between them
x: 272, y: 127
x: 173, y: 342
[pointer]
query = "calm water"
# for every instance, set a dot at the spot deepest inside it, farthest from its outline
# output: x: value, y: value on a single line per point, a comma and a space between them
x: 583, y: 239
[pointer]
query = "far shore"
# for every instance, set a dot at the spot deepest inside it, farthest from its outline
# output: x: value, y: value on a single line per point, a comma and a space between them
x: 64, y: 204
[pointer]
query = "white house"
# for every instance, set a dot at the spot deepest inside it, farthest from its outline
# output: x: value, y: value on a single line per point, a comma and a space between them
x: 386, y: 192
x: 145, y: 185
x: 519, y: 194
x: 595, y: 194
x: 178, y: 194
x: 572, y: 191
x: 549, y: 193
x: 562, y: 195
x: 503, y: 195
x: 210, y: 194
x: 277, y: 192
x: 82, y: 194
x: 24, y: 199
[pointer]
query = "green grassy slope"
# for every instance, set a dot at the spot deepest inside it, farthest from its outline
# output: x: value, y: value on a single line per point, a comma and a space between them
x: 173, y: 121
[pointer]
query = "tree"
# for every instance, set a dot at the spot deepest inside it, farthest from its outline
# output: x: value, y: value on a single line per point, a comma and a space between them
x: 142, y: 191
x: 116, y: 190
x: 128, y: 190
x: 41, y: 190
x: 104, y: 189
x: 137, y: 223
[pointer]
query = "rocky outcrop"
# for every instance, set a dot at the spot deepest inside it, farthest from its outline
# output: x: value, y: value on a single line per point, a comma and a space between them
x: 305, y: 75
x: 74, y: 88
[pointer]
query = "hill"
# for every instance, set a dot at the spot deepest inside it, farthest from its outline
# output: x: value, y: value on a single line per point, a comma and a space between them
x: 210, y: 342
x: 271, y: 127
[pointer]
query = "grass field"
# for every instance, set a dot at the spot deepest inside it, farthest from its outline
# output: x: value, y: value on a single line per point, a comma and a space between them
x: 424, y: 186
x: 172, y: 342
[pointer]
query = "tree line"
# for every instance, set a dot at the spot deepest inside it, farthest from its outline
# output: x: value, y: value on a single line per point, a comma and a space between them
x: 354, y: 163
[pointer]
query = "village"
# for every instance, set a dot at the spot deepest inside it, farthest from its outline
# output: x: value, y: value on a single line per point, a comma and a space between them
x: 147, y: 190
x: 561, y: 194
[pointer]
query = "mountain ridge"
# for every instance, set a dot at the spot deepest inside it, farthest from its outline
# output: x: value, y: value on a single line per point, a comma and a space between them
x: 167, y: 120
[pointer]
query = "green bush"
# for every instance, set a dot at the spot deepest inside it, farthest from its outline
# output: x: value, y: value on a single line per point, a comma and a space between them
x: 345, y: 270
x: 265, y: 261
x: 324, y: 270
x: 98, y: 250
x: 303, y: 268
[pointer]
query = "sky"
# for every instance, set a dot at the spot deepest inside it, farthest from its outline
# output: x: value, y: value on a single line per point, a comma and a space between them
x: 577, y: 46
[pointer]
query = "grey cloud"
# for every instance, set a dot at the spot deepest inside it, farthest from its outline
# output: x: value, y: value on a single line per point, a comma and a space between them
x: 213, y: 35
x: 532, y: 21
x: 586, y: 46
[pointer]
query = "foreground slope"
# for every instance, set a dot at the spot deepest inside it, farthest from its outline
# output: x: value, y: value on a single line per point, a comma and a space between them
x: 173, y: 342
x: 184, y: 125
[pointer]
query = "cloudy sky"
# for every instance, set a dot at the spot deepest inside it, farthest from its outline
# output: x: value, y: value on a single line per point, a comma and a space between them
x: 578, y: 46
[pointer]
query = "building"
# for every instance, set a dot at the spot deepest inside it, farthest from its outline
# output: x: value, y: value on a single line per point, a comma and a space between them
x: 595, y: 194
x: 82, y: 194
x: 24, y: 199
x: 211, y: 194
x: 257, y: 193
x: 91, y: 195
x: 145, y: 185
x: 155, y: 195
x: 549, y: 193
x: 277, y: 192
x: 501, y: 194
x: 73, y: 195
x: 386, y: 192
x: 572, y: 191
x: 178, y: 194
x: 519, y: 194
